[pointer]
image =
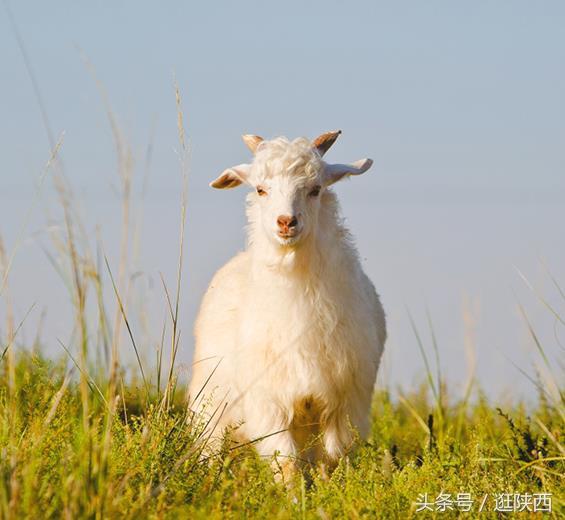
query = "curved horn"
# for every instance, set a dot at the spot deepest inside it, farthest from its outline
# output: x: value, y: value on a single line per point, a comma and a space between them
x: 324, y: 142
x: 252, y: 141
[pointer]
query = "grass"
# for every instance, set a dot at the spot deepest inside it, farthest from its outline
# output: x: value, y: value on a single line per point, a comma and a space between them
x: 83, y: 436
x: 146, y: 460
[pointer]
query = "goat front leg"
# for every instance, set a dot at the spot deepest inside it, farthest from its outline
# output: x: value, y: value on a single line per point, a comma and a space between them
x: 267, y: 426
x: 338, y: 438
x: 341, y: 429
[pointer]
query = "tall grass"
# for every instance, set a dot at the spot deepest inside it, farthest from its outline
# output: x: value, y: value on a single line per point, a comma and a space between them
x: 151, y: 465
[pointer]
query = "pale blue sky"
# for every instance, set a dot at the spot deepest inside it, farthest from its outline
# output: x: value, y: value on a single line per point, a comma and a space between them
x: 460, y: 104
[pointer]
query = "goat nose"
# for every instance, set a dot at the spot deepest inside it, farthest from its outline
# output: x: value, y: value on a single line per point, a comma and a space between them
x: 287, y: 222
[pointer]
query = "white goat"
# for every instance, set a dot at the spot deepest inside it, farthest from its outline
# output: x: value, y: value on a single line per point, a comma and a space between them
x: 290, y: 332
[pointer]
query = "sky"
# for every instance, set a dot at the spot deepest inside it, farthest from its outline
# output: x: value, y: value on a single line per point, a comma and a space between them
x: 460, y: 105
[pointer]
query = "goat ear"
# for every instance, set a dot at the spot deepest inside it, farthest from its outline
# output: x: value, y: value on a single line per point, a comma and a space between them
x: 336, y: 172
x: 231, y: 177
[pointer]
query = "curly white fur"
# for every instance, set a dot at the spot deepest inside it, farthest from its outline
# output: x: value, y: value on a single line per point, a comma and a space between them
x: 291, y: 331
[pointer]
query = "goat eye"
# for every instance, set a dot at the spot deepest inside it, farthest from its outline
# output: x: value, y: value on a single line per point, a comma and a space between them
x: 261, y: 191
x: 314, y: 192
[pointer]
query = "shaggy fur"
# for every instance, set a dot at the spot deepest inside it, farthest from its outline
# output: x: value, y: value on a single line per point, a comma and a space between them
x: 290, y: 332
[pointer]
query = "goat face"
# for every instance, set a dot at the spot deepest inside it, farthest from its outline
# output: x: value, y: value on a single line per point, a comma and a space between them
x: 289, y: 178
x: 288, y: 184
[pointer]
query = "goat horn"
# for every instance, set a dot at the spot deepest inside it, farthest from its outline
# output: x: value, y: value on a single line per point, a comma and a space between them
x: 252, y: 141
x: 324, y: 142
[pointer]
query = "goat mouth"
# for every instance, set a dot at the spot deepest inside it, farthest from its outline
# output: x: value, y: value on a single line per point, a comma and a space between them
x: 291, y: 234
x: 288, y: 239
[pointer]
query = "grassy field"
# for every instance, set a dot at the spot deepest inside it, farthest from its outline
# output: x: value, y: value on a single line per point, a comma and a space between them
x: 81, y: 453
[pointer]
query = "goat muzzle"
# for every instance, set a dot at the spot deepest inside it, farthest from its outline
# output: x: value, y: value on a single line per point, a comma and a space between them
x: 287, y: 225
